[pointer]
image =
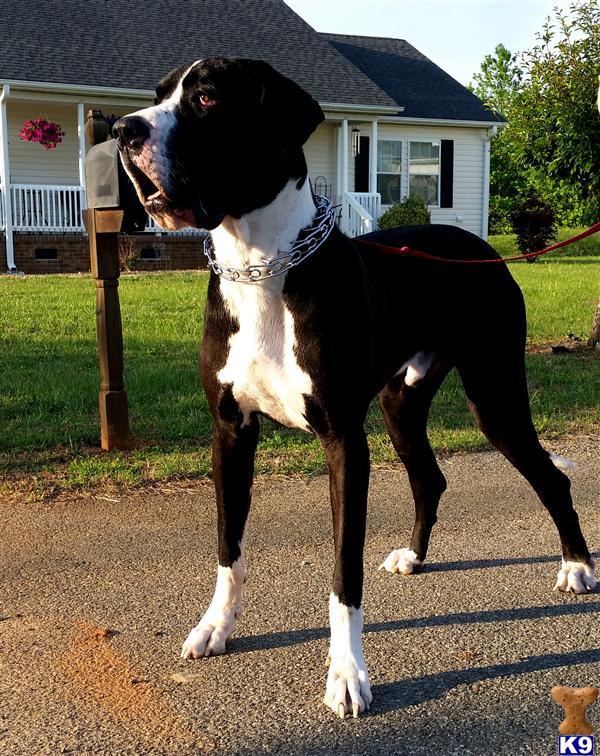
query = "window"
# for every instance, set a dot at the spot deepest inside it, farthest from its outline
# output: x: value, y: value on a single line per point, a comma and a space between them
x: 389, y: 170
x: 424, y: 171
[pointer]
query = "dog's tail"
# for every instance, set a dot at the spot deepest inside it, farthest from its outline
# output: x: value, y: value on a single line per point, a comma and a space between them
x: 562, y: 463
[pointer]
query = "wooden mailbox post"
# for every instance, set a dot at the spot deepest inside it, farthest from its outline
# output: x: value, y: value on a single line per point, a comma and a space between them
x: 103, y: 227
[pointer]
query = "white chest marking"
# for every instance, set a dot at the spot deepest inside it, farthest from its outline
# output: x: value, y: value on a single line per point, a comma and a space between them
x: 261, y: 364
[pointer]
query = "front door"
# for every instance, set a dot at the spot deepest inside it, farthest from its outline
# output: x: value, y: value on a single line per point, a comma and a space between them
x: 361, y: 166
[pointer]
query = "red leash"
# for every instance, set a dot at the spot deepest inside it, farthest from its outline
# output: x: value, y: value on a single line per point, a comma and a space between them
x: 426, y: 256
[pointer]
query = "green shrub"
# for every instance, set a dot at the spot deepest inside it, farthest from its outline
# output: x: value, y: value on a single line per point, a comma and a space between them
x: 410, y: 212
x: 533, y: 223
x: 499, y: 215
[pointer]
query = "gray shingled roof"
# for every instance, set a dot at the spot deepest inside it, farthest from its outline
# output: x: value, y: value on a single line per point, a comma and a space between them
x: 411, y: 79
x: 122, y: 43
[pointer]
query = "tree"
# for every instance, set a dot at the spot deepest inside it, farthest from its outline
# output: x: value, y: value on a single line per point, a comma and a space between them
x: 498, y: 81
x: 497, y: 85
x: 551, y: 146
x: 594, y: 337
x: 555, y: 129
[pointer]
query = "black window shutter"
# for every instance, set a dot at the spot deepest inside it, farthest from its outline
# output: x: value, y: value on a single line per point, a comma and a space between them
x: 361, y: 167
x: 447, y: 173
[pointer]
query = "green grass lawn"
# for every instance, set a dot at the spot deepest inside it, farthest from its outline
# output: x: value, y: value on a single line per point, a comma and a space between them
x: 49, y: 380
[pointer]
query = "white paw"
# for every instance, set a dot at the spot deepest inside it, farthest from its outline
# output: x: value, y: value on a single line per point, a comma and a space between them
x: 348, y: 690
x: 576, y: 577
x: 402, y: 560
x: 209, y: 637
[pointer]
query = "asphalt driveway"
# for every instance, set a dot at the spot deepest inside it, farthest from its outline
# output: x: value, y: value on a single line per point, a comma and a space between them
x: 97, y: 594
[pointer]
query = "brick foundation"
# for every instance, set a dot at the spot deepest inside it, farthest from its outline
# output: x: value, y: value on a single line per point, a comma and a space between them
x: 72, y: 252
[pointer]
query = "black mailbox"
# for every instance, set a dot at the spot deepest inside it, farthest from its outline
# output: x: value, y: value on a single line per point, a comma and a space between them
x: 109, y: 187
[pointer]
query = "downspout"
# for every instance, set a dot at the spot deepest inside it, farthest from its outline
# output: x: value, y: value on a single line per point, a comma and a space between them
x: 485, y: 203
x: 81, y: 156
x: 338, y: 178
x: 4, y: 181
x: 373, y: 171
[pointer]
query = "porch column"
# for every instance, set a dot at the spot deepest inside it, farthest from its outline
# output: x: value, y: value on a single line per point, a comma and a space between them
x: 344, y: 127
x: 5, y: 181
x: 81, y: 135
x: 373, y: 159
x: 338, y: 164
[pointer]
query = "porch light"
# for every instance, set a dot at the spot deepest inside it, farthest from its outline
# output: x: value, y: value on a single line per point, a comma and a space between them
x: 355, y: 141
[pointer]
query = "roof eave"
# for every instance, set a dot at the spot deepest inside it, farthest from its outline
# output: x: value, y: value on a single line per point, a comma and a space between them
x: 380, y: 110
x: 88, y: 91
x: 76, y: 89
x: 446, y: 122
x: 392, y: 113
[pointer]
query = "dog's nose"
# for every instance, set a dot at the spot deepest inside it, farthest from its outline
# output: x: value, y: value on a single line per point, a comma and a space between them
x: 131, y: 132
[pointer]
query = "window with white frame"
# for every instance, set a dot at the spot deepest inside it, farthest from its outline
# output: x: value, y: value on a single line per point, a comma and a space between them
x: 424, y: 171
x: 389, y: 170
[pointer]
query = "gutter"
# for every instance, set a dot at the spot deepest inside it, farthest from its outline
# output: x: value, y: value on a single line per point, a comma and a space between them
x: 393, y: 112
x: 145, y: 94
x: 444, y: 122
x: 485, y: 199
x: 378, y: 110
x: 77, y: 89
x: 4, y: 175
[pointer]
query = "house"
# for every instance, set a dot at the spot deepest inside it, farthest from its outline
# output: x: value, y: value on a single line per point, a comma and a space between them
x: 395, y: 123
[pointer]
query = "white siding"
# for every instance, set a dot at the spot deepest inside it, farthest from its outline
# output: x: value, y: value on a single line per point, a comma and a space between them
x: 468, y: 169
x: 321, y: 155
x: 29, y: 162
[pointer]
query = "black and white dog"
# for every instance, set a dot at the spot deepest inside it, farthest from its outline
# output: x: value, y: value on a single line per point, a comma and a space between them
x: 306, y: 326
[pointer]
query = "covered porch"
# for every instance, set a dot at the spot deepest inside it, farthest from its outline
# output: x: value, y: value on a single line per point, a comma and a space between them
x: 355, y: 155
x: 42, y: 192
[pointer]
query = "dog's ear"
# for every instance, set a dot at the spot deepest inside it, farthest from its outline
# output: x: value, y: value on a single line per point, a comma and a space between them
x: 292, y: 111
x: 166, y: 86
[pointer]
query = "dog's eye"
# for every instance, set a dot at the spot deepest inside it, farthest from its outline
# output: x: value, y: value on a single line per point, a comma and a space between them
x: 203, y: 99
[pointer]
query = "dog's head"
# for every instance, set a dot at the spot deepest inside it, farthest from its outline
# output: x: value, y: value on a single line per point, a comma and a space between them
x: 223, y: 138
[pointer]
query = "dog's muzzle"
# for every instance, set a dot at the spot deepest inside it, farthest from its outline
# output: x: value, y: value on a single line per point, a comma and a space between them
x: 170, y: 211
x: 131, y: 132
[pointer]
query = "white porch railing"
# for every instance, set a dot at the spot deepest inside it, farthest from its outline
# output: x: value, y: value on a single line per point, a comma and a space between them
x: 360, y: 210
x: 48, y: 208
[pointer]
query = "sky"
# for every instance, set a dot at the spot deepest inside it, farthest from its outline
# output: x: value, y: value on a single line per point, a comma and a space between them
x: 455, y: 34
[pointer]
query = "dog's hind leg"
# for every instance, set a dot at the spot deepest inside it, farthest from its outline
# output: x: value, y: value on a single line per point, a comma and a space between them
x: 498, y: 398
x: 348, y: 689
x: 405, y: 406
x: 234, y: 446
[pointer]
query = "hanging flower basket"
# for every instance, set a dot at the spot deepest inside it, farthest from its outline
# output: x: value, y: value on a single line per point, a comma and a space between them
x: 47, y: 133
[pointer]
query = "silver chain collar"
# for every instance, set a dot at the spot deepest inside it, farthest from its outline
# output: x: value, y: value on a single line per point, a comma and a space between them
x: 311, y: 240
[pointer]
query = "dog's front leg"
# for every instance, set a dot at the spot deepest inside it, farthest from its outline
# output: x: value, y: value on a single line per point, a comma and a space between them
x: 348, y: 689
x: 234, y: 445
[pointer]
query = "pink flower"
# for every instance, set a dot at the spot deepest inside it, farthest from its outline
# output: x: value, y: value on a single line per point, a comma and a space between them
x: 46, y: 133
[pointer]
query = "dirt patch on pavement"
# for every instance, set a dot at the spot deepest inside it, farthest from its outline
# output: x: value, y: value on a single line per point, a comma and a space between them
x: 98, y: 674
